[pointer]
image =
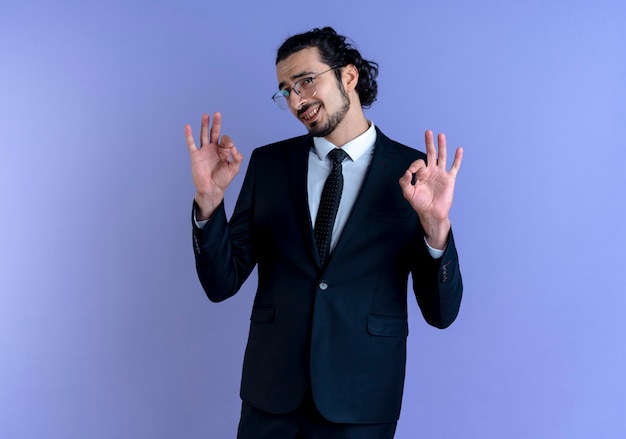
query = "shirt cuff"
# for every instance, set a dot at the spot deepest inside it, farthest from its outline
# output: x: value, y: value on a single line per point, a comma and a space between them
x: 434, y: 252
x: 201, y: 224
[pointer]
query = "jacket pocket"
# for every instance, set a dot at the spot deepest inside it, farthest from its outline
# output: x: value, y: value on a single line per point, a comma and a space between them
x: 262, y: 313
x: 384, y: 326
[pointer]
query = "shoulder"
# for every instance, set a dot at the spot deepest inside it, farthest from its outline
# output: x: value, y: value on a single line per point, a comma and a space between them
x: 389, y: 145
x: 280, y: 156
x: 283, y: 147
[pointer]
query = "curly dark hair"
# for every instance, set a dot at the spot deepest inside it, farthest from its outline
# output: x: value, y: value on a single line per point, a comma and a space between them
x: 336, y: 51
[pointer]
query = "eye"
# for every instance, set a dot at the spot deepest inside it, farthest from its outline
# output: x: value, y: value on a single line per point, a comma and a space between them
x: 308, y: 80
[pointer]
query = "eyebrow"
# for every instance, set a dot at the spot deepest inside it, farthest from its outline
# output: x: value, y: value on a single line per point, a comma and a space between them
x: 295, y: 77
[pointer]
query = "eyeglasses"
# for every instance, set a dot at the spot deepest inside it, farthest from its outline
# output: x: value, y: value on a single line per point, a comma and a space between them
x: 304, y: 88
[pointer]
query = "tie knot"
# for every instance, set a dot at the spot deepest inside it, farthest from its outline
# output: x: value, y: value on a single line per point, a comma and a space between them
x: 337, y: 155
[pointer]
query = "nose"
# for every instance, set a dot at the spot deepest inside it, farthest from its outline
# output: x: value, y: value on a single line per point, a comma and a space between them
x: 295, y: 101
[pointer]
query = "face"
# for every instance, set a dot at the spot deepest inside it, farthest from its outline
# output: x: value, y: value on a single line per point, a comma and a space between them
x: 323, y: 112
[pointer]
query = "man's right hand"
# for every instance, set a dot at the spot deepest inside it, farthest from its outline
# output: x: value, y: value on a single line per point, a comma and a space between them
x: 213, y: 165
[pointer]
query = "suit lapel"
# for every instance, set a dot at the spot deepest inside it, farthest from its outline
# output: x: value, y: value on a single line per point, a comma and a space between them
x: 377, y: 174
x: 298, y: 170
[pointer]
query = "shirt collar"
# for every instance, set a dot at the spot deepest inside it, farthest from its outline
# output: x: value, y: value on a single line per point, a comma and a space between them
x: 354, y: 148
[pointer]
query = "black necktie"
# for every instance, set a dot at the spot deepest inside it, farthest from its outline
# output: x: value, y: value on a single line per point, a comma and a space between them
x: 329, y: 204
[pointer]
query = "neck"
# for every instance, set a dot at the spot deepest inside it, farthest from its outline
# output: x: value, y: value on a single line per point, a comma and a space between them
x: 349, y: 129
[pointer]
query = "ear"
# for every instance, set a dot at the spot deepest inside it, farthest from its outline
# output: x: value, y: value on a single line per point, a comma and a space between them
x: 350, y: 77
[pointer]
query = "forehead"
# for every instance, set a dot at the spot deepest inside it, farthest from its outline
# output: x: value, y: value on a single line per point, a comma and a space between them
x: 302, y: 63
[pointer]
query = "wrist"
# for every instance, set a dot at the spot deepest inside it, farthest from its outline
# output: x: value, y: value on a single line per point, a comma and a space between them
x: 436, y: 233
x: 205, y: 206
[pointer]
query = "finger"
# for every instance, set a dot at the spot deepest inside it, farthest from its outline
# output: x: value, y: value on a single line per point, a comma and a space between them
x: 416, y: 166
x: 216, y: 127
x: 456, y: 164
x: 189, y: 139
x: 410, y: 176
x: 406, y: 178
x: 442, y: 153
x: 230, y: 152
x: 204, y: 130
x: 224, y: 147
x: 237, y: 158
x: 406, y: 183
x: 226, y: 142
x: 431, y: 152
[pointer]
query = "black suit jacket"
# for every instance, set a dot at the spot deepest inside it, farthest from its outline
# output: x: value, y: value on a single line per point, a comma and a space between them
x: 341, y: 328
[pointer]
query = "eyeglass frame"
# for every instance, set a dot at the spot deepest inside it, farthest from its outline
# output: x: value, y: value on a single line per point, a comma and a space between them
x: 284, y: 93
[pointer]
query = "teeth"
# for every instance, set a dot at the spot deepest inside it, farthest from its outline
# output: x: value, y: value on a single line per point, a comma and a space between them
x: 311, y: 114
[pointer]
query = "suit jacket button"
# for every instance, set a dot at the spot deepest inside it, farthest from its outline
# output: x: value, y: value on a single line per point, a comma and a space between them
x: 323, y: 285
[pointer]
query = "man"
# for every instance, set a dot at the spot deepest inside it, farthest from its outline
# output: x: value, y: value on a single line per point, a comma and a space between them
x: 326, y: 351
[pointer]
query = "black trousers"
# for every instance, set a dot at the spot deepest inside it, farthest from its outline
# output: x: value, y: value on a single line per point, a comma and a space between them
x: 305, y: 423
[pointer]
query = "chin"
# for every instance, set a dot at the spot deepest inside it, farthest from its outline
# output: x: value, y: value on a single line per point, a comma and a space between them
x: 317, y: 130
x: 321, y: 128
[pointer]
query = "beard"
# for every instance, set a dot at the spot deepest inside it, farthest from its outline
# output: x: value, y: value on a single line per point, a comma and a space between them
x: 333, y: 120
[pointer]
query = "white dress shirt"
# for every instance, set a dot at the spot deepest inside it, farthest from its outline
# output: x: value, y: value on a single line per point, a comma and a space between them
x: 354, y: 169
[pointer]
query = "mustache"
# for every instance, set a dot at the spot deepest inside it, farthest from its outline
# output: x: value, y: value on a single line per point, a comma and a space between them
x: 306, y: 108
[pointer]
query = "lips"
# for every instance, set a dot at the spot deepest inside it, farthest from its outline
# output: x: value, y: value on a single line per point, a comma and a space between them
x: 309, y: 113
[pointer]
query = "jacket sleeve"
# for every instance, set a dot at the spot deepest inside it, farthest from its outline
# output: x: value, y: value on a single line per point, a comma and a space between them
x: 223, y: 249
x: 438, y: 286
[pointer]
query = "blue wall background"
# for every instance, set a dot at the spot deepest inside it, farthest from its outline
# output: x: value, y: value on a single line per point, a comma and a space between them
x: 104, y: 329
